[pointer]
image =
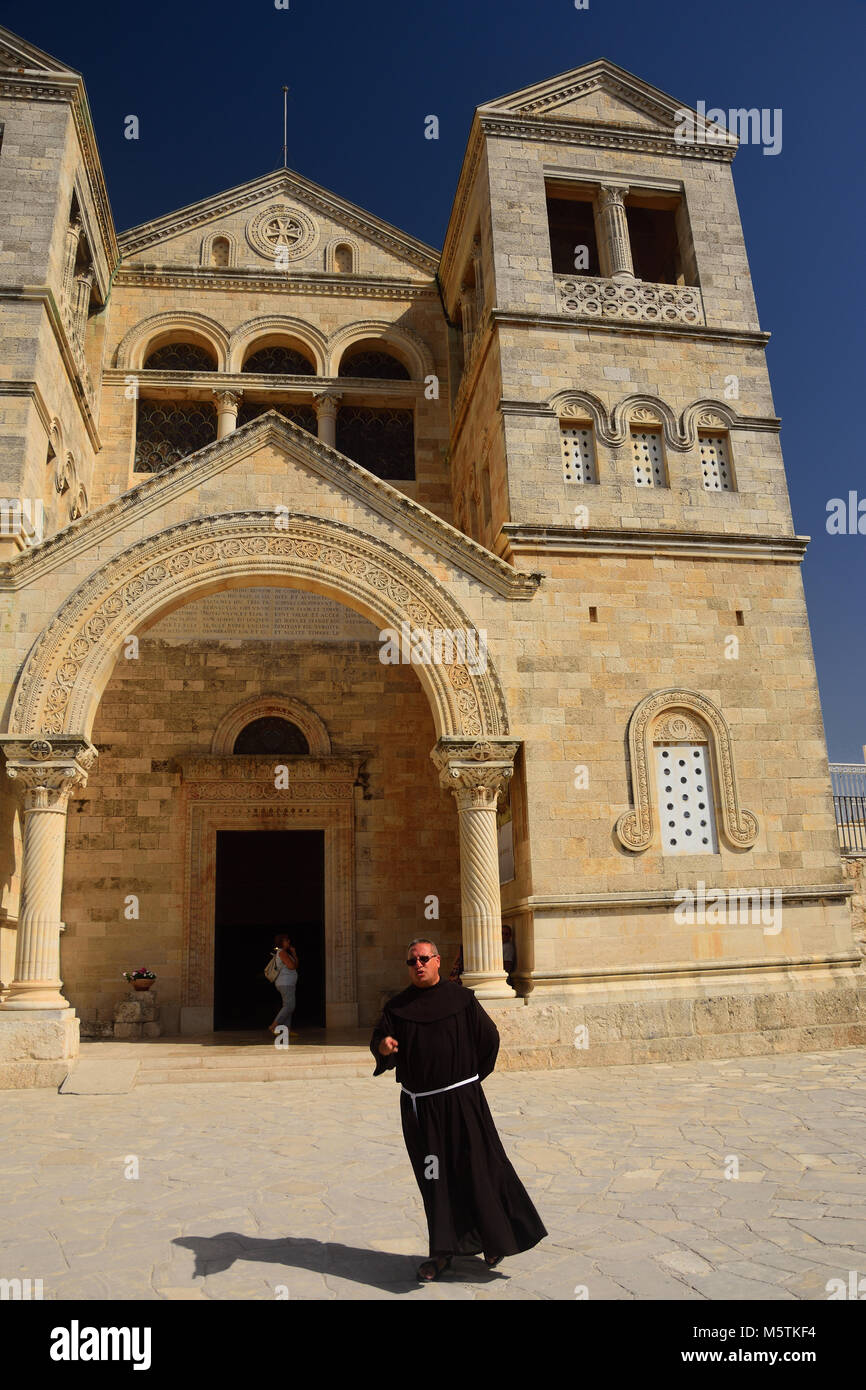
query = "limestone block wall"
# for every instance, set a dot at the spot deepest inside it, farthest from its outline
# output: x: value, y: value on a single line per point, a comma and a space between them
x: 677, y: 369
x: 524, y: 273
x: 665, y: 623
x: 35, y: 182
x: 126, y: 833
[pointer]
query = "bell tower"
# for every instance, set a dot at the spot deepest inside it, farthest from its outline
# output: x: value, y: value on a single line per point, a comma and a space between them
x: 613, y: 429
x: 57, y: 257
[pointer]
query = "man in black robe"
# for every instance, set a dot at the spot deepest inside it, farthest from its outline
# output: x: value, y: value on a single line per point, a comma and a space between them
x: 443, y: 1044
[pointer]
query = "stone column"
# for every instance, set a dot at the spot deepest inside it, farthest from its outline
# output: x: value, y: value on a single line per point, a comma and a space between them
x: 326, y: 403
x: 70, y: 256
x: 81, y: 306
x: 614, y: 228
x: 468, y: 320
x: 48, y: 771
x: 227, y: 403
x: 476, y: 771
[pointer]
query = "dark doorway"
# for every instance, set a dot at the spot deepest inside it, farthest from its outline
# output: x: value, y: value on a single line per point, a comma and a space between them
x: 268, y: 881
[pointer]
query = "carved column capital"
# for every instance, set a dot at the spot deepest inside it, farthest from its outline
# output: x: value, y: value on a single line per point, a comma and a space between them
x: 327, y: 402
x: 48, y: 771
x: 612, y: 194
x: 228, y: 400
x: 475, y: 765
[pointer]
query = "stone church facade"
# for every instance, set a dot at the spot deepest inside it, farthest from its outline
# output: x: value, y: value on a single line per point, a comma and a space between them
x: 246, y: 441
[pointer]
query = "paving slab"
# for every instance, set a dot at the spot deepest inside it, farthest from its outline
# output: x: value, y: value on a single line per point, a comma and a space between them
x: 247, y: 1187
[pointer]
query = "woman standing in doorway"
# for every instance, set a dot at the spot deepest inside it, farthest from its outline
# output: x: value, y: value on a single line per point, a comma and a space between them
x: 286, y: 982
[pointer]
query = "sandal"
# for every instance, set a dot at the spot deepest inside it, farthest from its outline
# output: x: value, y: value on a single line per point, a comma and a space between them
x: 491, y: 1264
x: 435, y: 1266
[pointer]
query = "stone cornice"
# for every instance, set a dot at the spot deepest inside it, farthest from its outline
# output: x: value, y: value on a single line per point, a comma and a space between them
x: 31, y: 389
x: 283, y: 183
x: 606, y: 135
x: 524, y: 539
x: 155, y: 492
x: 295, y: 282
x: 206, y: 382
x: 747, y: 337
x: 465, y: 184
x: 672, y: 897
x: 552, y: 978
x: 41, y: 294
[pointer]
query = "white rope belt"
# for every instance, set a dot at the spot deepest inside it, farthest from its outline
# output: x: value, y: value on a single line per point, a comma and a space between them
x: 414, y: 1094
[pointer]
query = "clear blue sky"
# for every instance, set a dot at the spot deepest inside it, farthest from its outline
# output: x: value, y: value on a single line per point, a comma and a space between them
x: 205, y: 80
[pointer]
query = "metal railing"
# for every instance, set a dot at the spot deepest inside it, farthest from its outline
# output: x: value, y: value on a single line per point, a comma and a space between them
x: 849, y: 801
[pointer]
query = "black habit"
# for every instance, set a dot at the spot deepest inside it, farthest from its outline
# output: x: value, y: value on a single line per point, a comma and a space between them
x: 477, y: 1202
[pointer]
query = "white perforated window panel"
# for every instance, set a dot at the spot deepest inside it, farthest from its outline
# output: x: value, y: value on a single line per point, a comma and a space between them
x: 648, y: 458
x: 716, y: 463
x: 578, y: 455
x: 685, y: 799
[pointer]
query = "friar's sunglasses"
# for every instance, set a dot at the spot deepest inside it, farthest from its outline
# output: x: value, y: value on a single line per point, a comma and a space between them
x: 423, y: 959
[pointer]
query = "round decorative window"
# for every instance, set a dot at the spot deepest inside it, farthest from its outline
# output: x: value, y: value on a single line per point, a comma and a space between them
x: 282, y: 233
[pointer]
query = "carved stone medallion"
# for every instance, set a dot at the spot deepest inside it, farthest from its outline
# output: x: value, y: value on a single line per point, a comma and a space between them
x: 280, y: 231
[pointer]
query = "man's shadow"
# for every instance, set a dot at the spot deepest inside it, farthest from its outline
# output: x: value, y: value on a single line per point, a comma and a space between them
x: 392, y: 1273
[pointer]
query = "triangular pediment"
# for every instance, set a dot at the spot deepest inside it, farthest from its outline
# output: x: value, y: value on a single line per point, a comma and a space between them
x: 245, y: 215
x: 19, y: 56
x: 312, y: 477
x: 598, y: 93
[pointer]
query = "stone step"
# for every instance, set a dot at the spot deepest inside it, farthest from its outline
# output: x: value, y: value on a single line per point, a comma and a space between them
x: 234, y: 1069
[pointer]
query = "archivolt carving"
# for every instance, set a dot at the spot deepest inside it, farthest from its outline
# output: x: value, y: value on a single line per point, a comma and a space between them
x: 267, y: 706
x: 409, y: 346
x: 612, y: 427
x: 70, y: 663
x: 679, y: 729
x: 636, y: 829
x: 270, y: 324
x: 135, y: 344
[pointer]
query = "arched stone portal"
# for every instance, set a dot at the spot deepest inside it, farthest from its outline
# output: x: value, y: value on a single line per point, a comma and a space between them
x: 48, y: 745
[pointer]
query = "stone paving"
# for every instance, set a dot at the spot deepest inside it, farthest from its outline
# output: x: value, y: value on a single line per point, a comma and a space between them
x: 246, y: 1189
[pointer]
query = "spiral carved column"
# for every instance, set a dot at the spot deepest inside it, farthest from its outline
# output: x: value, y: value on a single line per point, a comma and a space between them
x: 476, y: 772
x: 48, y: 773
